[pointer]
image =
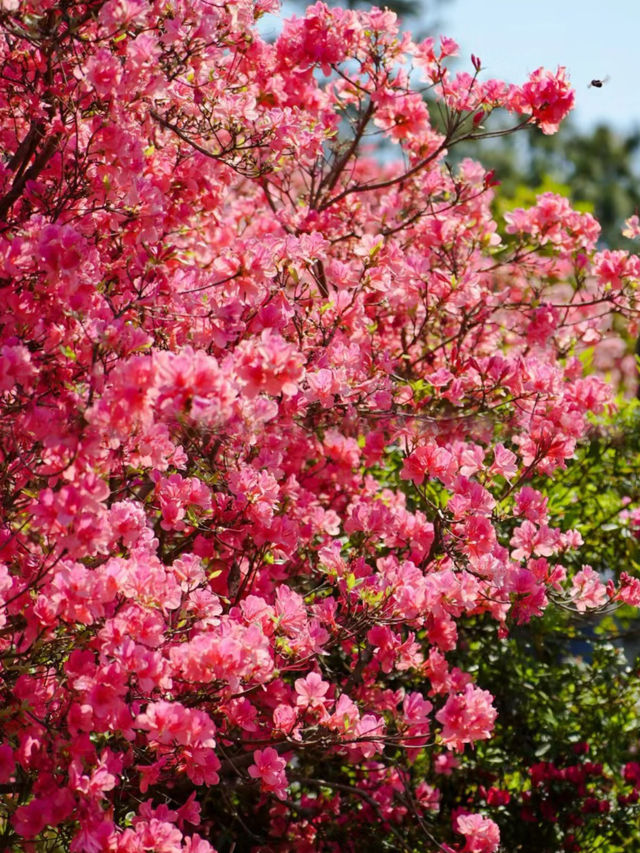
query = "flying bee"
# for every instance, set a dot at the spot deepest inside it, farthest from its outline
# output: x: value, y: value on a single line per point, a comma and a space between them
x: 598, y: 84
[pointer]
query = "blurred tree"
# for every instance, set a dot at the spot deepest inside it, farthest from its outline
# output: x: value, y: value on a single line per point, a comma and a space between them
x: 598, y: 170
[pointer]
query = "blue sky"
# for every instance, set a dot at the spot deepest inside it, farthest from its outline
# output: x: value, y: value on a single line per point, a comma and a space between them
x: 592, y: 39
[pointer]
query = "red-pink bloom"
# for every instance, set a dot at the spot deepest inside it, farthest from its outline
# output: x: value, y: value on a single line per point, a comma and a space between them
x: 61, y: 248
x: 195, y: 844
x: 445, y: 763
x: 505, y: 462
x: 614, y: 268
x: 448, y: 47
x: 467, y: 717
x: 481, y: 834
x: 532, y: 505
x: 51, y: 810
x: 529, y: 539
x: 269, y: 767
x: 428, y: 796
x: 345, y: 716
x: 269, y: 365
x: 369, y: 735
x: 416, y: 712
x: 429, y: 460
x: 103, y: 72
x: 587, y: 590
x: 170, y: 722
x: 631, y: 227
x: 311, y: 691
x: 291, y: 614
x: 547, y: 97
x: 629, y: 591
x: 16, y: 367
x: 285, y: 719
x: 117, y: 14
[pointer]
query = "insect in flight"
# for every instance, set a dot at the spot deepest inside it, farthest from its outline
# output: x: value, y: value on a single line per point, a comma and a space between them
x: 598, y: 84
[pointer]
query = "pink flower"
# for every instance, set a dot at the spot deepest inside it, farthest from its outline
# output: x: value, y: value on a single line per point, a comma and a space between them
x: 587, y: 590
x: 479, y: 536
x: 345, y: 716
x: 116, y: 14
x: 428, y: 796
x: 482, y: 834
x: 416, y: 709
x: 270, y: 365
x: 324, y: 385
x: 505, y: 462
x: 311, y: 691
x: 321, y: 38
x: 29, y: 820
x: 445, y: 763
x: 269, y: 767
x: 285, y: 718
x: 170, y: 724
x: 290, y: 610
x: 528, y: 539
x: 613, y: 268
x: 196, y: 844
x: 629, y: 591
x: 429, y: 460
x: 176, y: 494
x: 61, y: 248
x: 448, y: 47
x: 547, y: 97
x: 631, y: 227
x: 104, y: 72
x: 369, y: 732
x: 467, y: 717
x: 15, y: 367
x: 531, y: 504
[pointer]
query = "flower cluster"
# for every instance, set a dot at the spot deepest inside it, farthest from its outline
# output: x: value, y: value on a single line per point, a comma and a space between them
x: 269, y: 409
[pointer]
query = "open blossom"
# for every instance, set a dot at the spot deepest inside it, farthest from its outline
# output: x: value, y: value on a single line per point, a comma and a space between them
x: 629, y: 591
x: 321, y: 38
x: 15, y: 367
x: 631, y: 227
x: 311, y: 691
x: 270, y: 365
x: 481, y: 834
x: 104, y: 72
x: 345, y: 716
x: 547, y: 97
x: 416, y: 712
x: 587, y: 590
x: 428, y: 796
x: 467, y: 717
x: 61, y: 248
x: 613, y: 268
x: 369, y: 735
x: 171, y: 722
x: 553, y: 221
x: 269, y: 767
x: 528, y: 539
x: 505, y: 462
x: 427, y: 461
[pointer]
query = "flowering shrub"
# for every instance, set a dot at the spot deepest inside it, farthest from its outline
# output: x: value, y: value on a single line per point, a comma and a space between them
x: 277, y: 422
